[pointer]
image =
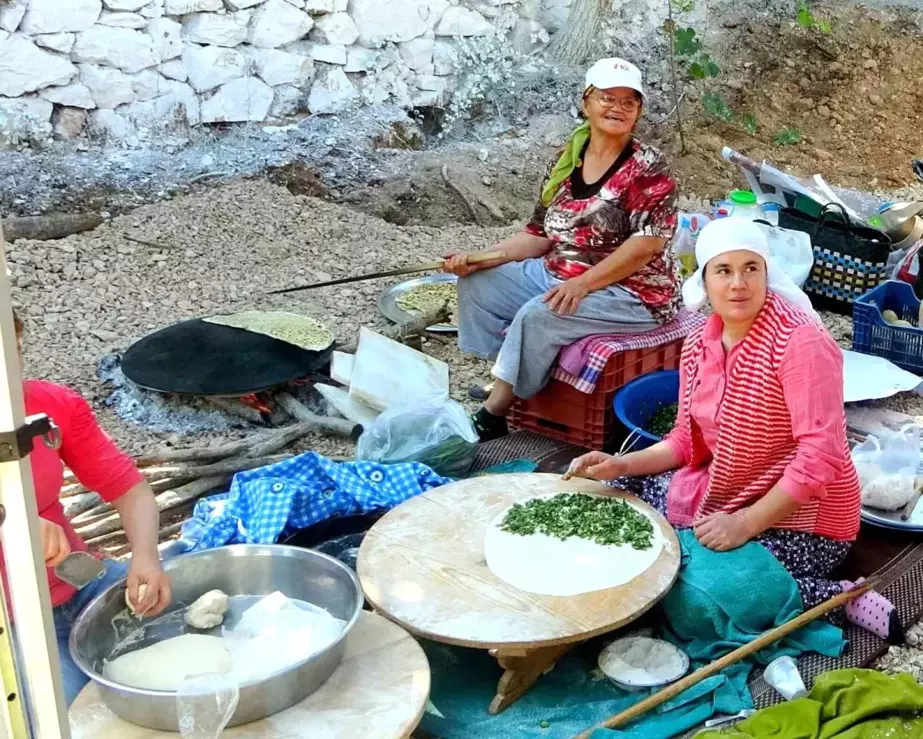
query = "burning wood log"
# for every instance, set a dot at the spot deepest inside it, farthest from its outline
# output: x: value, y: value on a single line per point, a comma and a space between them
x: 300, y: 412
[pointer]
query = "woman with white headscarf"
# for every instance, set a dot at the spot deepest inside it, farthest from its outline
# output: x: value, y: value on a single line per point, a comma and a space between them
x: 759, y: 447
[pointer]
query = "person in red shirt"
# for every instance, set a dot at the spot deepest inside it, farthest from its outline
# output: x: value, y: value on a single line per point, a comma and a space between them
x: 99, y: 465
x: 759, y: 450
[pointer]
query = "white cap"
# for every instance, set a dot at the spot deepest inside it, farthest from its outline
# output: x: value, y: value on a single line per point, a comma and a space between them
x: 614, y: 72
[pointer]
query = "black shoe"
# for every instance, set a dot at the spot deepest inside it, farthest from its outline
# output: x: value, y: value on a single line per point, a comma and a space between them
x: 896, y: 633
x: 480, y: 392
x: 489, y: 426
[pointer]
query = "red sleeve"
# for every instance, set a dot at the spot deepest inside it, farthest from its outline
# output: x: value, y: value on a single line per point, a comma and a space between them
x: 651, y: 201
x: 811, y: 373
x: 91, y: 455
x: 680, y: 438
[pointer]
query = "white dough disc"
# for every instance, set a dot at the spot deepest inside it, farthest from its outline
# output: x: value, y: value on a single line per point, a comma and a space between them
x: 545, y: 565
x: 164, y: 665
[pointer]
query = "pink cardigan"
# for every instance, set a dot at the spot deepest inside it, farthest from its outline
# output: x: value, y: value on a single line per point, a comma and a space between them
x: 787, y: 374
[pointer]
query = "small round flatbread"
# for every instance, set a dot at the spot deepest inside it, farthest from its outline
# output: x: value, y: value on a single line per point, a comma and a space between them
x: 292, y: 328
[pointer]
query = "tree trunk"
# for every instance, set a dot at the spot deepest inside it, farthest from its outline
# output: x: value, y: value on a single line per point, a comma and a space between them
x: 574, y: 43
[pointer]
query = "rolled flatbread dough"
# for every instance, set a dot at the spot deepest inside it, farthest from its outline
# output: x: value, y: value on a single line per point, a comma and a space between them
x: 164, y: 665
x: 545, y: 565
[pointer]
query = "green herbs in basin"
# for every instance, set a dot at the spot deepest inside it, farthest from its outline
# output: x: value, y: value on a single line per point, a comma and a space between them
x: 599, y: 519
x: 663, y: 420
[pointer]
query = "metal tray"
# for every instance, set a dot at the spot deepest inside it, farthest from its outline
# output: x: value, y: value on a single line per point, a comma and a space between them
x: 388, y: 307
x: 892, y: 519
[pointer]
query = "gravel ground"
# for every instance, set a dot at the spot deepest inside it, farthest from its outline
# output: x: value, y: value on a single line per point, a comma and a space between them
x: 94, y: 293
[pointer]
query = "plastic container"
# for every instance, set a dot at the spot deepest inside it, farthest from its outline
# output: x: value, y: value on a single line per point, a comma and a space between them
x: 771, y: 213
x: 744, y: 205
x: 587, y: 420
x: 637, y: 402
x: 872, y: 334
x: 783, y: 675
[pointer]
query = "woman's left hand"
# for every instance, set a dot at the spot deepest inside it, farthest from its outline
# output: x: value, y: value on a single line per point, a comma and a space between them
x: 564, y: 299
x: 723, y: 532
x: 156, y: 591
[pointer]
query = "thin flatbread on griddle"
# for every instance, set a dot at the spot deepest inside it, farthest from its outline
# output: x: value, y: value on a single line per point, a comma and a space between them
x: 291, y: 328
x: 424, y: 298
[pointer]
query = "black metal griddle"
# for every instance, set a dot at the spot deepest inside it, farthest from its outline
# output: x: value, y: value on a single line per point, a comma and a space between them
x: 199, y: 358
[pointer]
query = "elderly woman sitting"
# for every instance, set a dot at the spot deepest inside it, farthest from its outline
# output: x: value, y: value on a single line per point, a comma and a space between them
x: 759, y: 446
x: 592, y: 260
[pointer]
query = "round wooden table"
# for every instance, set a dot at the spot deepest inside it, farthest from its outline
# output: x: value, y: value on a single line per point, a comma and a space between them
x: 379, y: 690
x: 422, y: 565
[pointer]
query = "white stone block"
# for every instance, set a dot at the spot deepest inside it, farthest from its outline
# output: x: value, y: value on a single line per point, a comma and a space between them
x: 431, y: 83
x: 238, y: 101
x: 276, y: 23
x: 319, y: 7
x: 332, y: 94
x: 398, y: 20
x: 129, y: 5
x: 359, y: 59
x: 109, y: 87
x: 242, y: 4
x: 62, y: 42
x: 26, y: 68
x: 174, y: 70
x: 112, y: 125
x: 4, y: 35
x: 122, y: 20
x: 167, y: 38
x: 185, y: 7
x: 11, y: 15
x: 74, y: 95
x: 178, y: 105
x: 68, y: 123
x: 459, y: 21
x: 277, y: 67
x: 287, y: 100
x: 211, y: 66
x: 418, y: 54
x: 528, y: 35
x: 336, y: 29
x: 427, y: 99
x: 54, y: 16
x: 221, y: 30
x: 154, y: 9
x: 130, y: 51
x: 328, y: 54
x: 149, y: 84
x: 445, y: 58
x: 25, y: 115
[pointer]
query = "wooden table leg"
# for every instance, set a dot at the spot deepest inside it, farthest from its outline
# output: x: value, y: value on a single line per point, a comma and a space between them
x: 522, y: 669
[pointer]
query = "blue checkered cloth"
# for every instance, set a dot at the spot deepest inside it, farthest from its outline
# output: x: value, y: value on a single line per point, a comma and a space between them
x: 290, y: 495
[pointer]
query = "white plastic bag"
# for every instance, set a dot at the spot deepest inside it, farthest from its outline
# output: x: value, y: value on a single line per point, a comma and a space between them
x: 887, y: 466
x: 205, y: 704
x: 791, y: 250
x: 439, y: 435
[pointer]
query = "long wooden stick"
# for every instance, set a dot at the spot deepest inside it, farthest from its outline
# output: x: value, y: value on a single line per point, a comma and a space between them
x: 769, y: 637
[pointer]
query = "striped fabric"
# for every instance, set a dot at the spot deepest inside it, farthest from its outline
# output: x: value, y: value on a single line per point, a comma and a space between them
x: 755, y: 444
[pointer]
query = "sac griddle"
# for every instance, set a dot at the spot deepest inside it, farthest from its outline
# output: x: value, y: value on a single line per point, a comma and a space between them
x: 199, y: 358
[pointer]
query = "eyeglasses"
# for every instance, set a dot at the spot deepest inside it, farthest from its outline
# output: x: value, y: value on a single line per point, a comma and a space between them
x: 613, y: 101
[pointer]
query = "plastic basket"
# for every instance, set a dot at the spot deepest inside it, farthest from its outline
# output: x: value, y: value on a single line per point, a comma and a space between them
x: 640, y: 399
x: 588, y: 419
x: 872, y: 334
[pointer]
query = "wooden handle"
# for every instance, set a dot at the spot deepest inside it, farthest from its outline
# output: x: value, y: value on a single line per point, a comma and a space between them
x: 487, y: 256
x: 727, y: 660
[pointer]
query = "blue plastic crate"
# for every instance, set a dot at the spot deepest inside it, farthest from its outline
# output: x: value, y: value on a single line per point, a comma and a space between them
x: 641, y: 398
x: 872, y: 334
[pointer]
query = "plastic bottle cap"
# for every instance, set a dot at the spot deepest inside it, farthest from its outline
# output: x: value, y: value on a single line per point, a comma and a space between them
x: 742, y: 197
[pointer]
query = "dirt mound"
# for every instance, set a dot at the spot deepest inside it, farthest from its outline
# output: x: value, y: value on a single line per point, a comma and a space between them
x: 851, y: 95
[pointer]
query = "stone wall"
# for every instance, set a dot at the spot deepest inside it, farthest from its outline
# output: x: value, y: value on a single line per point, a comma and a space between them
x: 128, y: 69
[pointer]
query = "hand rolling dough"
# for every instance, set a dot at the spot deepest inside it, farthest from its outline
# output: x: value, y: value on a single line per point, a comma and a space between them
x: 142, y: 592
x: 208, y: 611
x: 164, y: 665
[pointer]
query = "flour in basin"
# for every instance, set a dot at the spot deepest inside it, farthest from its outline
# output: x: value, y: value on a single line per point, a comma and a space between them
x: 569, y: 544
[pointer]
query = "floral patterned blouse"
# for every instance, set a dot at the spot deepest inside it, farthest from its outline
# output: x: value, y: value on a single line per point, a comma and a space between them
x: 587, y: 223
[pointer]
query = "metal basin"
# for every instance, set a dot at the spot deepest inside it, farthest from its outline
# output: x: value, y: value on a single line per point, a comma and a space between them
x: 240, y: 570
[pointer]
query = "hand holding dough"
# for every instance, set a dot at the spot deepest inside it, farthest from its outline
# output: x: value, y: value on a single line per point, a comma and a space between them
x: 142, y: 591
x: 208, y: 611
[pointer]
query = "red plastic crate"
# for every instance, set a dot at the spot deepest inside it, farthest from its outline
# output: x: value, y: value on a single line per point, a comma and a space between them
x: 587, y: 419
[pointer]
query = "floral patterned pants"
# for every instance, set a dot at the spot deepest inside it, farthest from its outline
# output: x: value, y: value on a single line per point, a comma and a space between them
x: 809, y: 558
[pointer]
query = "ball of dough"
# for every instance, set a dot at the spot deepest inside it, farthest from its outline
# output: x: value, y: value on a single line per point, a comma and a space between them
x: 166, y: 664
x: 888, y: 492
x: 208, y: 611
x: 142, y: 592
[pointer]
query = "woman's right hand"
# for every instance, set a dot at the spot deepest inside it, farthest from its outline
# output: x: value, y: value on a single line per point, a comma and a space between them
x: 456, y: 263
x: 597, y: 466
x: 54, y: 543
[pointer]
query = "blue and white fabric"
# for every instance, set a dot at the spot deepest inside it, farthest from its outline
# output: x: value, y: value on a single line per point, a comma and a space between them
x: 293, y: 494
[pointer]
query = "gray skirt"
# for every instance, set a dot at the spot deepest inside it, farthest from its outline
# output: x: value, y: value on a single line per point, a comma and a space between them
x: 509, y: 299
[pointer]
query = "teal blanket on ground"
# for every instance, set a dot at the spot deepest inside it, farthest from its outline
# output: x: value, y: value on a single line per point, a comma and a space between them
x: 720, y: 601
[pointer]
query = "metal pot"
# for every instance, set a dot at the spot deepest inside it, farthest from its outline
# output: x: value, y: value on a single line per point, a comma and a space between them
x: 239, y: 570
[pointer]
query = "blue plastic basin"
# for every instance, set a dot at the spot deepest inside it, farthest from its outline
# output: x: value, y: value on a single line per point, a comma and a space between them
x: 641, y: 398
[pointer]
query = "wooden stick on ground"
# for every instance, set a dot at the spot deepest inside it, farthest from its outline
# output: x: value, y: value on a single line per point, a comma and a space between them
x: 300, y: 412
x: 769, y: 637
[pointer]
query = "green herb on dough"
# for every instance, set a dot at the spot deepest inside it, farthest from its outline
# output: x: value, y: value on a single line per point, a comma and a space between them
x: 425, y: 298
x: 544, y: 724
x: 599, y: 519
x: 663, y: 420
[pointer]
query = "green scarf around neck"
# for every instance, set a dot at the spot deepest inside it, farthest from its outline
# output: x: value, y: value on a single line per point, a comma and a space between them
x: 567, y: 163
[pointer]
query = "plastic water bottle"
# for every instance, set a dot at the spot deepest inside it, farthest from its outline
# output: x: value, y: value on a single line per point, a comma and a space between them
x: 744, y: 205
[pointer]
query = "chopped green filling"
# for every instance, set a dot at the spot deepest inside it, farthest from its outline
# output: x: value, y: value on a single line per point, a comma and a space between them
x: 599, y: 519
x: 663, y: 420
